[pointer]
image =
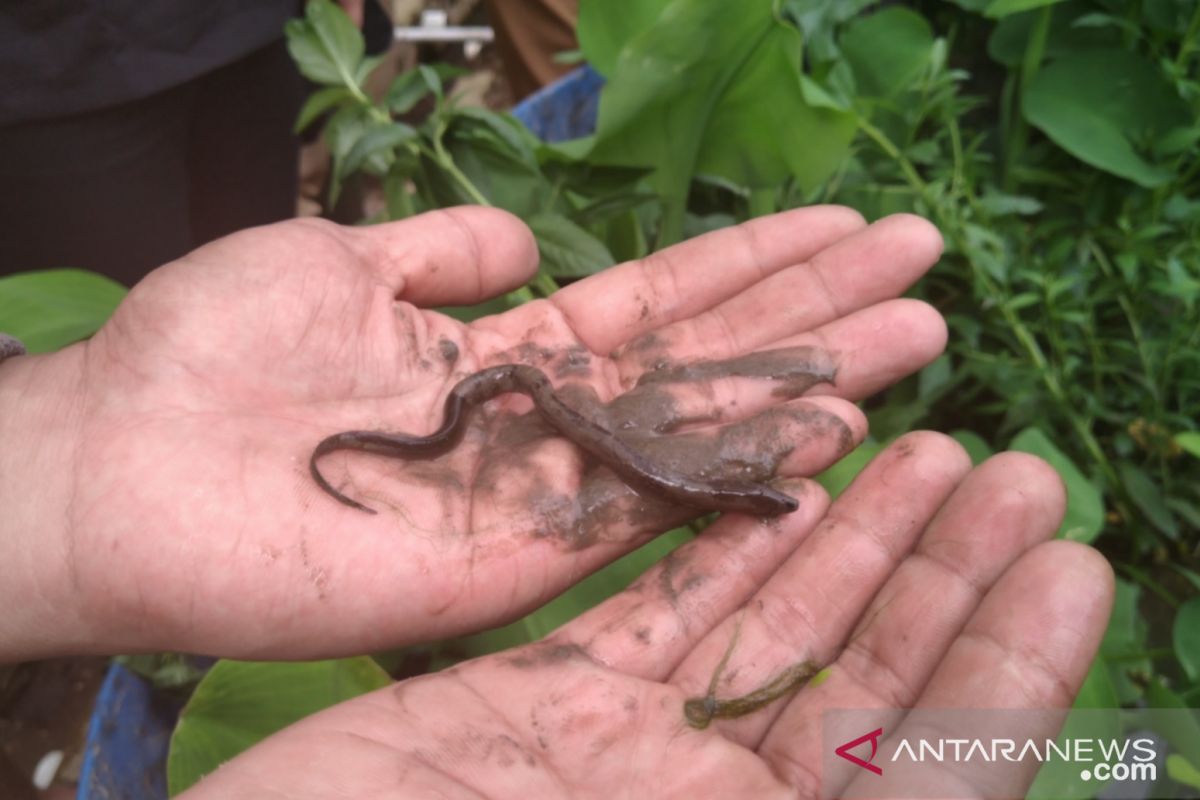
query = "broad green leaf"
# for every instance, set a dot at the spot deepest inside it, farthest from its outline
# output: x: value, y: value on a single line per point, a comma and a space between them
x: 1101, y: 106
x: 1085, y: 510
x: 1181, y: 730
x: 1181, y: 770
x: 1148, y: 498
x: 319, y: 102
x: 1189, y: 441
x: 820, y: 21
x: 1097, y: 690
x: 715, y: 88
x: 1061, y: 777
x: 567, y: 250
x: 52, y: 308
x: 1003, y: 8
x: 607, y: 26
x: 842, y: 474
x: 326, y: 45
x: 1010, y: 38
x: 1186, y: 637
x: 1125, y: 638
x: 887, y: 50
x: 975, y: 445
x: 239, y: 703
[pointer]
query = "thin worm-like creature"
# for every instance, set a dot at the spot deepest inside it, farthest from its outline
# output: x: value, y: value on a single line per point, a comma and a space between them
x: 748, y: 497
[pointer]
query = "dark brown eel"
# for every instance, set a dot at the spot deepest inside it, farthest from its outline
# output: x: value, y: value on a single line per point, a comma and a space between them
x: 747, y: 497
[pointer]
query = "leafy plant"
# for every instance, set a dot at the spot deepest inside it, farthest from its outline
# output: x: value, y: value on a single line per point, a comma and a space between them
x: 1055, y: 143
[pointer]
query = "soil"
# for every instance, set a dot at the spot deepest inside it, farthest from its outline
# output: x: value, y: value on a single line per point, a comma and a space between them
x: 45, y: 706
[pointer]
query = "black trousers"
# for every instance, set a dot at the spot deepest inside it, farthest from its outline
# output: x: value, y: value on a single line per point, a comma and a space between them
x: 122, y: 190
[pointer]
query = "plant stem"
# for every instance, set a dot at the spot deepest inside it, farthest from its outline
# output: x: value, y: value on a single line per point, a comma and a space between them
x: 1189, y: 40
x: 544, y: 284
x: 1024, y: 336
x: 1035, y: 50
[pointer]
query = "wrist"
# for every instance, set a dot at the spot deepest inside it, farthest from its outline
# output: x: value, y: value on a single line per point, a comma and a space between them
x: 40, y: 419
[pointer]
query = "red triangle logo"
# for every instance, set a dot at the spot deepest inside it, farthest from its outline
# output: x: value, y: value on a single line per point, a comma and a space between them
x: 873, y: 738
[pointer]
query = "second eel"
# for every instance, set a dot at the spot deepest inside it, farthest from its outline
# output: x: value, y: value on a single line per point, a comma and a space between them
x: 747, y: 497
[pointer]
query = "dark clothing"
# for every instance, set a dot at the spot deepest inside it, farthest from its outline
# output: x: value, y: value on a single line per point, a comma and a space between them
x: 60, y: 57
x: 142, y: 135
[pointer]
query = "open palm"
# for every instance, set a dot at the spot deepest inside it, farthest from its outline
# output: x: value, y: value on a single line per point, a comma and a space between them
x: 926, y: 585
x: 192, y: 521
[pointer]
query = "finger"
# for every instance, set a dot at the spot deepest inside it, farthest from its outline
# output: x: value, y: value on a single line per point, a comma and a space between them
x: 1031, y: 641
x: 647, y: 629
x: 620, y: 304
x: 855, y: 356
x: 866, y: 267
x: 1028, y: 646
x: 1009, y: 504
x: 810, y: 605
x: 455, y: 256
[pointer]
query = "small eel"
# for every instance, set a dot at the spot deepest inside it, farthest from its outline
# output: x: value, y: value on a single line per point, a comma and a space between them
x: 747, y: 497
x: 700, y: 711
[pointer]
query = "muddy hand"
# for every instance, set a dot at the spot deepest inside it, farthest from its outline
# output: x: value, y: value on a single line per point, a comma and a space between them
x: 161, y: 470
x: 925, y: 585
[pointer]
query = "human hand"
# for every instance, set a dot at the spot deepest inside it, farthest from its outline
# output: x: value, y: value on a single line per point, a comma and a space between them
x: 926, y: 585
x: 156, y: 476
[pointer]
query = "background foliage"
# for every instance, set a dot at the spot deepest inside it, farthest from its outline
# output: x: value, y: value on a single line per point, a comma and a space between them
x: 1055, y: 143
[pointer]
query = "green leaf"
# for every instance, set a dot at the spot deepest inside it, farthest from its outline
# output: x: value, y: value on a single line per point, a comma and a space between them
x: 376, y: 142
x: 342, y: 133
x: 605, y: 208
x: 1181, y: 770
x: 1085, y: 510
x: 567, y: 250
x: 837, y: 478
x: 497, y: 161
x: 588, y: 593
x: 1003, y: 8
x: 1061, y: 777
x: 1181, y: 730
x: 999, y: 204
x: 1148, y: 498
x: 52, y: 308
x: 975, y: 445
x: 1010, y: 37
x: 1186, y: 637
x: 319, y: 102
x: 502, y: 132
x: 407, y: 90
x: 1100, y: 105
x: 887, y: 50
x: 1189, y: 441
x: 326, y: 45
x: 239, y: 703
x: 366, y: 67
x: 605, y: 27
x: 714, y: 88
